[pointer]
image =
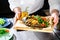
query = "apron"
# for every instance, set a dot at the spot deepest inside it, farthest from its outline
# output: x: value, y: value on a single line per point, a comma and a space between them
x: 41, y: 11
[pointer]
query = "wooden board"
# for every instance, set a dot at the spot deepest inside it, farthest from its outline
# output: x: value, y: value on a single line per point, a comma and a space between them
x: 21, y: 26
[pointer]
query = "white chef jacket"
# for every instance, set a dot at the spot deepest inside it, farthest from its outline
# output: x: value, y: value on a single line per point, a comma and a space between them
x: 33, y: 5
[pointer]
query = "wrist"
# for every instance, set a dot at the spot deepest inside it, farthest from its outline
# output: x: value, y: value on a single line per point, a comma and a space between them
x: 54, y: 15
x: 55, y: 12
x: 17, y: 10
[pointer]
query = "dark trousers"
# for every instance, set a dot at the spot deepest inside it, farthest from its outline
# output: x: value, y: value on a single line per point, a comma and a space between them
x: 39, y: 12
x: 7, y: 15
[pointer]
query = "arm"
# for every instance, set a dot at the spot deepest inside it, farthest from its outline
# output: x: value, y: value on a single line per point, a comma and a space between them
x: 15, y: 7
x: 55, y: 10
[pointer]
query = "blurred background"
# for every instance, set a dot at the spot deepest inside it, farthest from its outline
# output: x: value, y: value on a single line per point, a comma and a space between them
x: 5, y: 10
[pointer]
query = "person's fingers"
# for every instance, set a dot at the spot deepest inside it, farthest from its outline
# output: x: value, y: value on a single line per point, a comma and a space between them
x: 15, y: 20
x: 17, y: 17
x: 55, y: 20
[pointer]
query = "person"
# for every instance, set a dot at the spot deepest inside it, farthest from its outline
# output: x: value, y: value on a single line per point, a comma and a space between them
x: 17, y: 6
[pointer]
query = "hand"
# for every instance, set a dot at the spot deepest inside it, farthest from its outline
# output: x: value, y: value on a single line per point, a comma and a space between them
x: 17, y: 17
x: 18, y: 14
x: 55, y: 18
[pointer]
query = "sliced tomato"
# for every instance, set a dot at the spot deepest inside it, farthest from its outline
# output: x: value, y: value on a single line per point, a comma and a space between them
x: 43, y: 25
x: 44, y: 19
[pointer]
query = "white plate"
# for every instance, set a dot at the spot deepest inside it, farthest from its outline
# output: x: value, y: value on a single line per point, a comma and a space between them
x: 7, y: 37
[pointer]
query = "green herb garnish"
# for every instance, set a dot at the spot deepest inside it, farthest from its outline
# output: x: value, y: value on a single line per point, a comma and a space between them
x: 39, y: 19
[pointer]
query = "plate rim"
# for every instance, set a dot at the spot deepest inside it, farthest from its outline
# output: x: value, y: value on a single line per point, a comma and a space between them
x: 6, y: 19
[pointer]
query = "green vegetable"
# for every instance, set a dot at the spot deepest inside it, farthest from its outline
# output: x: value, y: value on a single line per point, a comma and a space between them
x: 46, y: 23
x: 2, y: 21
x: 3, y: 31
x: 39, y: 19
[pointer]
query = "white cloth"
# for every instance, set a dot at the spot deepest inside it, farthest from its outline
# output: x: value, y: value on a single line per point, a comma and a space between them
x: 54, y: 4
x: 33, y: 5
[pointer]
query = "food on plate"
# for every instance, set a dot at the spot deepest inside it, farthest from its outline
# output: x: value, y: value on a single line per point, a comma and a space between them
x: 2, y: 21
x: 3, y: 31
x: 24, y: 14
x: 36, y: 21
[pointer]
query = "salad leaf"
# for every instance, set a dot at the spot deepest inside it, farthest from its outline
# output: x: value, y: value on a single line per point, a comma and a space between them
x: 2, y: 21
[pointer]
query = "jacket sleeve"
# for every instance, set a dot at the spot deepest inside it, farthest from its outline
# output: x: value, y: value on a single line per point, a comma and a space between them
x: 13, y: 4
x: 54, y: 4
